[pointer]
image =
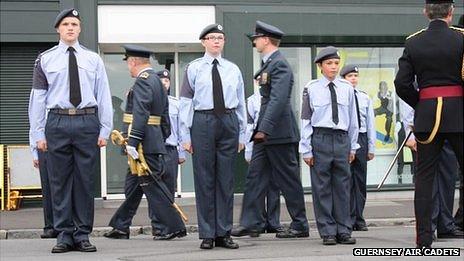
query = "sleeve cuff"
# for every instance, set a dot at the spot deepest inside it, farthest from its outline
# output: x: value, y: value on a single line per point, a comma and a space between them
x: 104, y: 133
x: 38, y: 136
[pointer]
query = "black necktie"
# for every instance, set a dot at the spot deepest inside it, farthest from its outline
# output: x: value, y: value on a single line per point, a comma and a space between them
x: 357, y: 108
x: 218, y: 96
x: 74, y: 85
x: 333, y: 98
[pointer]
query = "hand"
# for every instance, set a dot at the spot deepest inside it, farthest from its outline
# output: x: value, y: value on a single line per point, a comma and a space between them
x: 370, y: 156
x: 412, y: 144
x: 188, y: 147
x: 35, y: 163
x: 309, y: 161
x: 351, y: 157
x: 101, y: 142
x: 42, y: 145
x: 259, y: 137
x: 131, y: 151
x: 241, y: 146
x: 181, y: 160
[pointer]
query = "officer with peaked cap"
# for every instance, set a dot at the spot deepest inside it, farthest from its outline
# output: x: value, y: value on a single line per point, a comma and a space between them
x: 70, y: 83
x: 366, y: 140
x: 434, y: 57
x: 275, y: 155
x: 212, y: 128
x: 329, y: 135
x: 175, y: 155
x: 146, y: 122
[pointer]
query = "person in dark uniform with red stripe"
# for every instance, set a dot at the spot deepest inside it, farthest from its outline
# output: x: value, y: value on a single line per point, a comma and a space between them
x: 433, y: 57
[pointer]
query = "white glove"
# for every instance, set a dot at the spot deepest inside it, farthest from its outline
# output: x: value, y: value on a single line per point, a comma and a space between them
x: 131, y: 151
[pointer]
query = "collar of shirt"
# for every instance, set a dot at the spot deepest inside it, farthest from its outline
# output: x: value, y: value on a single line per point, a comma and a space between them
x: 209, y: 59
x: 144, y: 70
x: 64, y: 47
x: 266, y: 57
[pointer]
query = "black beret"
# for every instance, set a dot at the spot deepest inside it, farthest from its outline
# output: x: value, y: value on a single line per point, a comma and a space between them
x: 328, y: 52
x: 439, y: 1
x: 349, y: 68
x: 164, y: 74
x: 71, y: 12
x: 263, y: 29
x: 136, y: 51
x: 212, y: 28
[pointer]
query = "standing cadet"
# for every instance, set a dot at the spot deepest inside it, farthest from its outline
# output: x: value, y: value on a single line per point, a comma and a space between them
x: 71, y: 83
x: 275, y: 137
x: 146, y: 123
x: 212, y: 128
x: 433, y: 56
x: 39, y: 160
x: 270, y: 206
x: 175, y: 155
x: 329, y: 130
x: 366, y: 140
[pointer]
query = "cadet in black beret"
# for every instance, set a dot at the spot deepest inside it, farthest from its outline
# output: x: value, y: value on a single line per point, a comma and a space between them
x: 212, y: 28
x: 328, y: 52
x: 71, y: 12
x: 263, y: 29
x: 133, y: 50
x: 349, y: 68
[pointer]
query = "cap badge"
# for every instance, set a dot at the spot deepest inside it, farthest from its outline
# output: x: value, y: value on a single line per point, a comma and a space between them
x: 219, y: 27
x: 74, y: 12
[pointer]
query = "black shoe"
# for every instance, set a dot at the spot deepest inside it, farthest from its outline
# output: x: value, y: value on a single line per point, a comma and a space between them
x: 117, y: 234
x: 360, y: 228
x: 85, y: 246
x: 329, y: 240
x: 49, y: 234
x: 225, y: 242
x: 62, y: 248
x: 207, y: 243
x: 345, y: 239
x: 242, y: 231
x: 272, y: 230
x: 156, y: 232
x: 180, y: 233
x: 452, y: 234
x: 292, y: 233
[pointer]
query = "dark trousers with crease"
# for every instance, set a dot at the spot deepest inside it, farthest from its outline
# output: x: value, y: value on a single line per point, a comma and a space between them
x: 71, y: 159
x: 278, y: 164
x: 428, y: 158
x: 46, y: 194
x: 215, y: 145
x: 358, y: 182
x: 157, y: 201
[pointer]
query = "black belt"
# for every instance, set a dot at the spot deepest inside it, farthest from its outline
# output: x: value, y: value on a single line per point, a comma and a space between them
x: 90, y: 110
x: 328, y: 131
x: 227, y: 111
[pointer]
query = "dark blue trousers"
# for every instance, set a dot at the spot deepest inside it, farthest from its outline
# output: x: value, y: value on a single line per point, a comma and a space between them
x: 331, y: 181
x: 358, y: 182
x: 72, y: 154
x: 46, y: 194
x: 215, y: 145
x: 276, y: 163
x: 157, y: 202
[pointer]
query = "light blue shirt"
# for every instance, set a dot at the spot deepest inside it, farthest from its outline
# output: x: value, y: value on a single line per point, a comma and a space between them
x: 173, y: 139
x: 321, y: 112
x: 33, y: 147
x: 50, y: 87
x: 367, y: 119
x: 253, y: 108
x: 197, y: 92
x: 407, y: 117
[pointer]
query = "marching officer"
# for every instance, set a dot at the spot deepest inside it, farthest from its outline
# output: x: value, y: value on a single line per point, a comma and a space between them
x: 275, y: 137
x: 329, y: 130
x: 366, y: 140
x: 433, y: 56
x: 146, y: 121
x: 70, y: 83
x: 212, y: 128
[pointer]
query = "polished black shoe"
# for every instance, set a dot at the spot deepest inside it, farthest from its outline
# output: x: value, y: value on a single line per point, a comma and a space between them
x: 181, y: 233
x: 345, y: 239
x: 329, y: 240
x: 49, y: 234
x: 452, y: 234
x: 225, y: 242
x: 117, y: 234
x: 62, y: 248
x: 242, y: 231
x: 207, y: 243
x: 292, y: 233
x: 274, y: 230
x: 156, y: 232
x: 85, y: 246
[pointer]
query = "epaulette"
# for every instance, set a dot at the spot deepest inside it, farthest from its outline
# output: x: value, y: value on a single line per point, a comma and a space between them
x: 457, y: 29
x: 416, y: 33
x: 311, y: 82
x: 144, y: 75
